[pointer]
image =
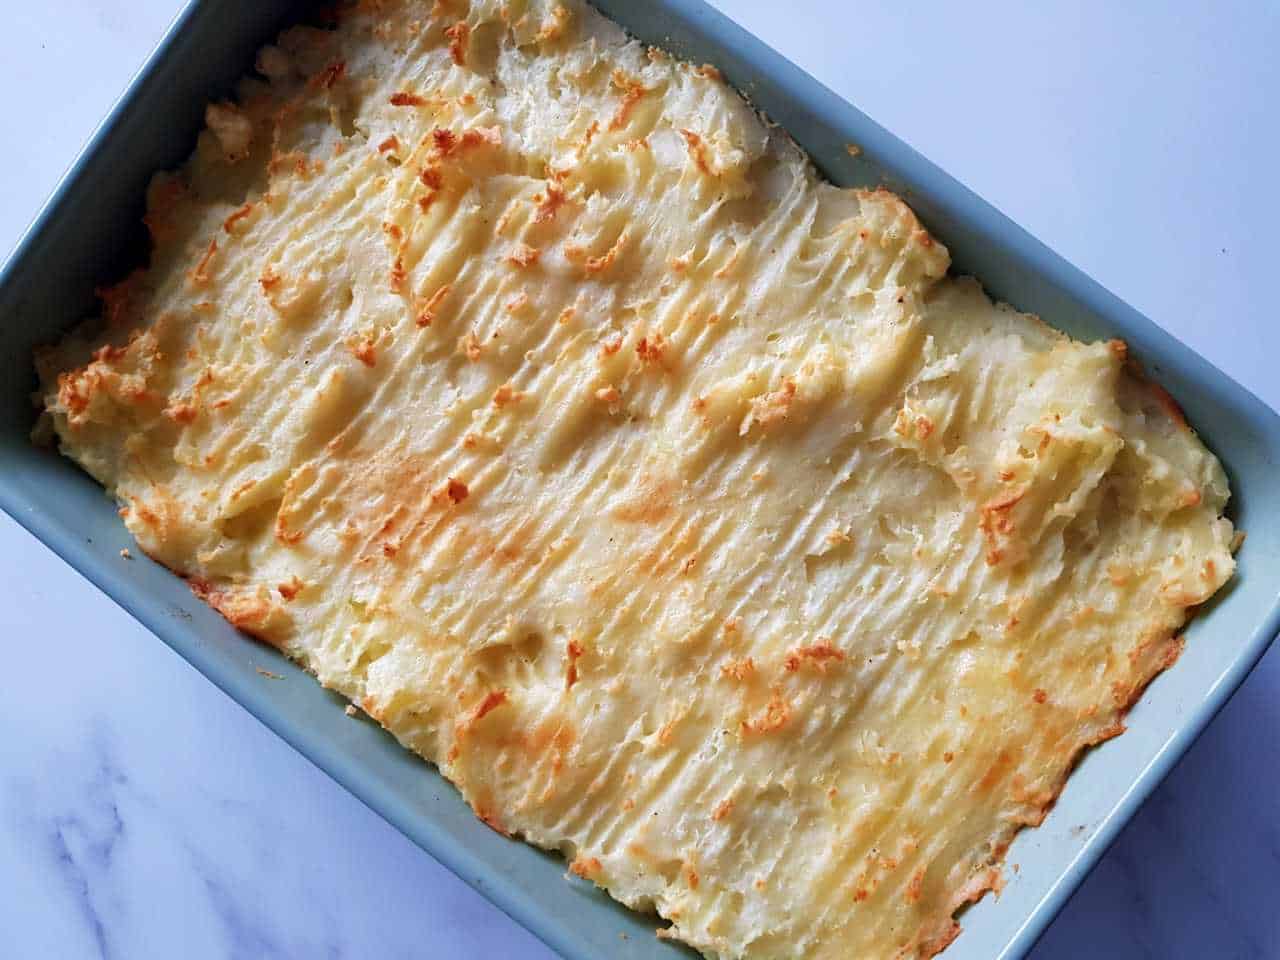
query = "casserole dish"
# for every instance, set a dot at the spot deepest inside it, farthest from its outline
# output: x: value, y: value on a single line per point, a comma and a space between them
x: 61, y: 263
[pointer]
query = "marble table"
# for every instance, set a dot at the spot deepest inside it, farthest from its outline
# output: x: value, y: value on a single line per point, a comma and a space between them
x: 143, y: 814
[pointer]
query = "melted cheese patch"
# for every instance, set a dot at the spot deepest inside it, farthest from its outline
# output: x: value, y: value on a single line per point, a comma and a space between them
x: 524, y: 386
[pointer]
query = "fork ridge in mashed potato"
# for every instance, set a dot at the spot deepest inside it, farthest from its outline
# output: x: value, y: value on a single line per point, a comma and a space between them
x: 527, y: 388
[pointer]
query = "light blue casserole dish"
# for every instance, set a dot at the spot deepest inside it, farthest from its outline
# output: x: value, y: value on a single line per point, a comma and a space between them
x: 89, y: 232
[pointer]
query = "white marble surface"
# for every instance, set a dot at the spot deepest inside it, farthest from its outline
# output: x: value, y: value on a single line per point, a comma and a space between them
x: 143, y: 814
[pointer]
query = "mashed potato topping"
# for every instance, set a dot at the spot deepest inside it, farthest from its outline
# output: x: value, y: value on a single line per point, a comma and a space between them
x: 530, y: 390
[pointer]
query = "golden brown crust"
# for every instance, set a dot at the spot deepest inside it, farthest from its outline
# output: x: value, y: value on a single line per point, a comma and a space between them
x: 673, y: 501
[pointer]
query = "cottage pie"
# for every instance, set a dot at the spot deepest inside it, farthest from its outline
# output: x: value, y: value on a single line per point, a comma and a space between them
x: 538, y: 396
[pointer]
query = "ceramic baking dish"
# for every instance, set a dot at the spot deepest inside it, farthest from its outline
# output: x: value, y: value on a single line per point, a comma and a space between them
x: 89, y: 232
